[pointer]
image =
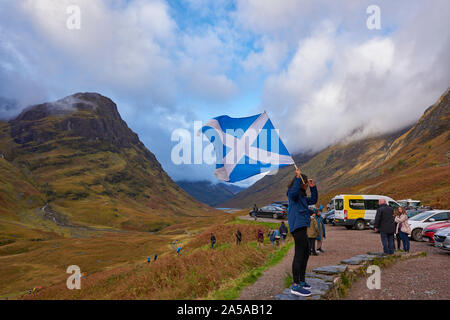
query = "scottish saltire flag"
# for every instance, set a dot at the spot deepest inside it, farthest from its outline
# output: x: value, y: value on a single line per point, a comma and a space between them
x: 245, y: 147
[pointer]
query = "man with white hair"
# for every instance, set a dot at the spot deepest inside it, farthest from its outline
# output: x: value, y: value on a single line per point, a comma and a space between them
x: 384, y: 222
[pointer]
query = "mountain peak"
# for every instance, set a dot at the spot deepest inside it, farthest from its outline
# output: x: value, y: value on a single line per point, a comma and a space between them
x: 68, y: 105
x: 88, y: 115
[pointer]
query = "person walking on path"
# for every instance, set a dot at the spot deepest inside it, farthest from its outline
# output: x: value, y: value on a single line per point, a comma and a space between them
x: 179, y: 250
x: 313, y: 233
x: 384, y: 222
x: 238, y: 237
x: 213, y: 240
x: 260, y: 238
x: 148, y: 260
x: 155, y: 257
x: 321, y: 236
x: 283, y: 231
x: 299, y: 220
x: 255, y: 211
x: 403, y: 228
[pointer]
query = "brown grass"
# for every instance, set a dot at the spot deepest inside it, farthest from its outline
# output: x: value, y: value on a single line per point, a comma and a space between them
x: 192, y: 275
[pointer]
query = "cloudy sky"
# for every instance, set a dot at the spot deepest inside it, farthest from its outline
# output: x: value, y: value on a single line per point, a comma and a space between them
x: 314, y: 65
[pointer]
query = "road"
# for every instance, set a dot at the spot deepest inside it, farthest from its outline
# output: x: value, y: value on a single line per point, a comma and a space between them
x: 247, y: 217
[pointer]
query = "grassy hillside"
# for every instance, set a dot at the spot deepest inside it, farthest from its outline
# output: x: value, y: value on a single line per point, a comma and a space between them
x: 198, y: 272
x: 412, y: 163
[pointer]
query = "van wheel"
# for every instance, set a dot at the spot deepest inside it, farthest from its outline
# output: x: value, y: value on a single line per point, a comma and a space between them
x: 360, y: 225
x: 417, y: 234
x: 275, y: 216
x: 349, y: 227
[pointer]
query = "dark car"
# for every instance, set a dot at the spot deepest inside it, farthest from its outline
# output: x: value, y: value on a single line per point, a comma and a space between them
x: 271, y: 211
x: 284, y: 204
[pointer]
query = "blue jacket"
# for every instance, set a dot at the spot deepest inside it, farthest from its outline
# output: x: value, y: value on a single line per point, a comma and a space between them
x: 321, y: 225
x: 274, y: 234
x: 298, y: 212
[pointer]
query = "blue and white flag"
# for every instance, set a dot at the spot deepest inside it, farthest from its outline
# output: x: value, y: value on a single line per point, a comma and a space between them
x: 245, y: 147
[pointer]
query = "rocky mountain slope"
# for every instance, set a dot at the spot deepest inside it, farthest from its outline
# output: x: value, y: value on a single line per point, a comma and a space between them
x: 210, y: 193
x: 81, y: 157
x: 410, y: 163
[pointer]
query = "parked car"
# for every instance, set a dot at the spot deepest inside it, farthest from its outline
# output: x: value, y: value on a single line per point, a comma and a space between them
x: 271, y: 211
x: 330, y: 205
x: 357, y: 211
x: 413, y: 212
x: 424, y: 219
x: 284, y: 204
x: 325, y: 215
x: 442, y: 239
x: 429, y: 231
x: 409, y: 203
x: 330, y: 219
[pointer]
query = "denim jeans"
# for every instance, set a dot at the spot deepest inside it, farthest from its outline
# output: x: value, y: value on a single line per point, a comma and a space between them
x: 405, y: 240
x: 387, y: 239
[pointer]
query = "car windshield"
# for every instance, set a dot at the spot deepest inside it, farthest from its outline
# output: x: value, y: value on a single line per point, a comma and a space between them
x: 443, y: 231
x: 422, y: 216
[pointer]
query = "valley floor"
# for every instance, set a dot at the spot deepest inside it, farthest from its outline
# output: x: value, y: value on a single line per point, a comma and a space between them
x: 422, y: 278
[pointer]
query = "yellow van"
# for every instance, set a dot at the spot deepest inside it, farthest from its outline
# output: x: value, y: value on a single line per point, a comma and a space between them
x: 357, y: 211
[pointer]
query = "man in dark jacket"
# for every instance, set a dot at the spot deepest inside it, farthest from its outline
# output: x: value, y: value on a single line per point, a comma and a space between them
x: 384, y: 222
x: 283, y: 231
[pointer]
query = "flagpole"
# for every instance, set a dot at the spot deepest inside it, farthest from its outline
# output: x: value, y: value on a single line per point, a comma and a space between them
x: 301, y: 177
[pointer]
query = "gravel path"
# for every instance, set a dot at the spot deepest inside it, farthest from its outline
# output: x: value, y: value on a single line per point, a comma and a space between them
x: 420, y: 278
x: 342, y: 244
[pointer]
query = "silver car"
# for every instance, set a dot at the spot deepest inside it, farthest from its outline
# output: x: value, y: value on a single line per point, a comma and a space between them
x: 442, y: 239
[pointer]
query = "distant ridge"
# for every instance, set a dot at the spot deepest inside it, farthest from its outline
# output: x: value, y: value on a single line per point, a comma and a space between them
x: 208, y: 192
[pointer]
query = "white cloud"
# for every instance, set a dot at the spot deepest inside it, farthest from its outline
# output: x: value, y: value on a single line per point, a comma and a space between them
x: 325, y: 74
x: 339, y: 84
x: 134, y: 49
x: 269, y: 59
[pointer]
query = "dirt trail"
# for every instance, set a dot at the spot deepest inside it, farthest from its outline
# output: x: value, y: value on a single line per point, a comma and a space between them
x: 340, y: 244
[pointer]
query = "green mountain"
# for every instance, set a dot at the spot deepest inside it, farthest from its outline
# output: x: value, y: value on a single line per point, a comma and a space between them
x: 78, y: 155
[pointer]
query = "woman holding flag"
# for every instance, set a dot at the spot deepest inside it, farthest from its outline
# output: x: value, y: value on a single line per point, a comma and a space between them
x: 299, y: 220
x: 248, y: 145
